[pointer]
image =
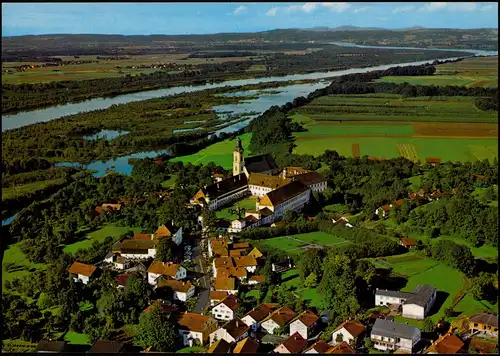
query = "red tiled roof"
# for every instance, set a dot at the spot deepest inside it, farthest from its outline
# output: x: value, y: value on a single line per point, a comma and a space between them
x: 295, y: 343
x: 308, y: 318
x: 353, y: 327
x: 282, y: 316
x: 166, y: 269
x: 236, y: 328
x: 258, y: 278
x: 446, y: 344
x: 225, y: 283
x: 342, y: 348
x: 218, y: 295
x: 142, y: 236
x: 176, y: 286
x: 320, y: 347
x: 195, y: 322
x: 82, y: 269
x: 407, y: 241
x: 231, y: 302
x: 246, y: 346
x: 219, y: 347
x: 262, y: 311
x: 245, y: 261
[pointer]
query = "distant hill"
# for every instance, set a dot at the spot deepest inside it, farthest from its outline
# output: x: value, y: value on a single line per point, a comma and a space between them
x: 21, y: 48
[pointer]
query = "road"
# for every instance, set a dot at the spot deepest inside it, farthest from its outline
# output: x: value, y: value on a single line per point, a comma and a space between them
x: 204, y: 295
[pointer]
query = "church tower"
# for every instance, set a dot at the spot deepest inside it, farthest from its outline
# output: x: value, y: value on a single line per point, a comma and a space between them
x: 238, y: 160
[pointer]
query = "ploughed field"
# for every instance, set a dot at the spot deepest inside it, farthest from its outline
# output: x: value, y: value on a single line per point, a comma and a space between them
x: 390, y: 126
x: 470, y: 72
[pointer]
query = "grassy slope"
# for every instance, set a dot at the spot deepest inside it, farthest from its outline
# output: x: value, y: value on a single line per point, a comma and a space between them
x: 13, y: 254
x: 99, y: 235
x: 247, y: 203
x: 24, y: 189
x: 291, y: 243
x: 219, y: 153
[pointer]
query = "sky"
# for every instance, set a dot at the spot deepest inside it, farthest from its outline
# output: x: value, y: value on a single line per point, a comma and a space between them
x: 199, y: 18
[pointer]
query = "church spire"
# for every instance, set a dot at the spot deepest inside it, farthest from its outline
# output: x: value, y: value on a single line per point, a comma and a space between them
x: 238, y: 147
x: 238, y: 160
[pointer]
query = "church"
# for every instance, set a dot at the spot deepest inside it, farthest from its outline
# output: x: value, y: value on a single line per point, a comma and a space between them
x: 276, y: 191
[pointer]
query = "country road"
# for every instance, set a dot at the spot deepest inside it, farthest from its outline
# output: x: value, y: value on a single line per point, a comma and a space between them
x: 204, y: 295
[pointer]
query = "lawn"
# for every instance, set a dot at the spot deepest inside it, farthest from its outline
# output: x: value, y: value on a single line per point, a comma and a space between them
x: 29, y: 188
x: 480, y: 193
x: 22, y: 265
x: 291, y: 243
x: 194, y: 349
x: 415, y: 183
x: 99, y: 235
x: 253, y: 294
x: 169, y: 182
x: 247, y: 203
x: 486, y: 252
x: 76, y: 338
x: 447, y: 280
x: 220, y: 153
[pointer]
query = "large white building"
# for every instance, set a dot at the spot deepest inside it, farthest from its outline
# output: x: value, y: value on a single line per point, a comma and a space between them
x: 415, y: 304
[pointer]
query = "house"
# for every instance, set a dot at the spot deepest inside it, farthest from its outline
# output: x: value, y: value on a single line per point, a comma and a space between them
x: 195, y: 327
x: 415, y: 304
x: 168, y: 269
x: 435, y: 195
x: 216, y: 296
x: 237, y: 253
x: 281, y: 267
x: 218, y: 247
x: 293, y: 345
x: 350, y: 332
x: 232, y: 272
x: 226, y: 308
x: 165, y: 232
x: 246, y: 346
x: 217, y: 177
x: 278, y: 319
x: 135, y: 249
x: 221, y: 262
x: 319, y: 347
x: 484, y: 323
x: 255, y: 253
x: 292, y: 196
x: 342, y: 348
x: 313, y: 180
x: 111, y: 207
x: 82, y: 272
x: 226, y: 285
x: 182, y: 290
x: 222, y: 193
x: 449, y: 344
x: 341, y: 220
x: 240, y: 224
x: 391, y: 335
x: 433, y: 161
x: 257, y: 279
x: 304, y: 323
x: 220, y: 347
x: 240, y: 246
x: 407, y: 242
x: 289, y: 172
x: 254, y: 317
x: 233, y: 331
x: 121, y: 279
x: 247, y: 262
x: 261, y: 184
x: 107, y: 347
x: 50, y: 346
x: 118, y: 262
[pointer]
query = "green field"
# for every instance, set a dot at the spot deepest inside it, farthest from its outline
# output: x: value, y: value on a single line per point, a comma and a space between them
x: 374, y: 107
x: 420, y: 270
x: 22, y: 265
x: 221, y: 153
x: 76, y: 338
x: 169, y: 182
x: 471, y: 72
x: 189, y: 350
x: 291, y: 243
x: 448, y: 149
x: 29, y: 188
x: 99, y: 235
x: 479, y: 193
x: 247, y: 203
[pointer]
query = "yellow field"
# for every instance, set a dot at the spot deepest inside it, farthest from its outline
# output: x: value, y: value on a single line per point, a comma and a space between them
x: 408, y: 151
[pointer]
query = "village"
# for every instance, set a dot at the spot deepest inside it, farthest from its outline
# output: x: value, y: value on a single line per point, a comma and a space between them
x: 199, y: 288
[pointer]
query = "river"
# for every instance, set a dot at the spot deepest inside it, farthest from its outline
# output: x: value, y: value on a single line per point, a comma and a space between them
x: 257, y: 105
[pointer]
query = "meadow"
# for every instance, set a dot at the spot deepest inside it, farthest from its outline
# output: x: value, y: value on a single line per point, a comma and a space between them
x: 390, y: 126
x: 29, y: 188
x: 15, y: 264
x: 471, y: 72
x: 220, y: 153
x: 247, y: 203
